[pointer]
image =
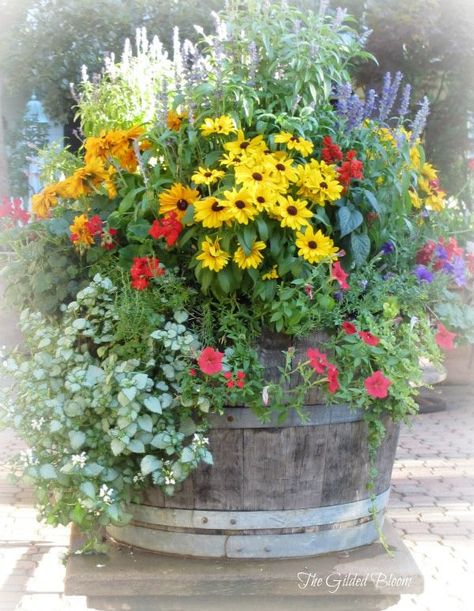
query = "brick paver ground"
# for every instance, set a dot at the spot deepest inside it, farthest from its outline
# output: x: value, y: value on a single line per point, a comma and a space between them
x: 432, y: 506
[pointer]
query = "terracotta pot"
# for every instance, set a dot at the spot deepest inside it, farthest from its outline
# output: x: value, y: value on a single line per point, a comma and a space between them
x: 459, y: 364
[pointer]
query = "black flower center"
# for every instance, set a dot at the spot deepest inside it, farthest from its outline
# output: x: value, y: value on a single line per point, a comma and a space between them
x: 294, y: 139
x: 260, y: 199
x: 292, y: 210
x: 257, y: 176
x: 240, y: 204
x: 182, y: 204
x: 280, y: 167
x: 216, y: 207
x: 323, y: 185
x: 244, y: 144
x: 208, y: 174
x: 312, y: 244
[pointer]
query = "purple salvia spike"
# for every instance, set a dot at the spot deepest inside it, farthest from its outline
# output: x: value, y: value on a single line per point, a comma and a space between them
x: 405, y: 102
x: 387, y: 81
x: 418, y: 125
x: 369, y: 103
x: 341, y: 14
x: 393, y: 92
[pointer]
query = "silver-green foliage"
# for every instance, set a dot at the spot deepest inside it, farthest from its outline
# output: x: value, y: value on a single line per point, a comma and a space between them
x: 100, y: 427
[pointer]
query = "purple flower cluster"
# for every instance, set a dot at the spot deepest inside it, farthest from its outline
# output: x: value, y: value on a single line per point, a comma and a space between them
x: 423, y: 274
x: 418, y: 124
x: 457, y: 269
x: 387, y: 248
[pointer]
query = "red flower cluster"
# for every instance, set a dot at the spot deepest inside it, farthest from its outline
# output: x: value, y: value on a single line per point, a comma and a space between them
x: 377, y: 385
x: 330, y: 153
x: 237, y: 381
x: 12, y: 209
x: 210, y: 361
x: 351, y: 169
x: 168, y: 227
x: 337, y: 273
x: 143, y: 269
x: 448, y: 249
x: 319, y: 362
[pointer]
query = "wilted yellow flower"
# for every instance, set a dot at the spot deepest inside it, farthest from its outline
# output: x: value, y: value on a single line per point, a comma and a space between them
x: 212, y: 255
x: 42, y: 202
x: 175, y: 119
x: 253, y: 259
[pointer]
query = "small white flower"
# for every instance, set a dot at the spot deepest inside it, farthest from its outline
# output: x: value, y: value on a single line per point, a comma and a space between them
x: 36, y: 424
x: 79, y: 460
x: 265, y: 397
x: 413, y: 321
x: 106, y: 494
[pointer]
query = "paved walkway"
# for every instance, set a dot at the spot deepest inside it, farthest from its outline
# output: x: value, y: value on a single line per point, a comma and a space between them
x: 431, y: 505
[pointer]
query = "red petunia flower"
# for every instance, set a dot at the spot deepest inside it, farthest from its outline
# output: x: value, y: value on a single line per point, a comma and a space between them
x: 349, y: 328
x: 240, y: 383
x: 333, y: 379
x: 139, y: 283
x: 369, y: 338
x: 318, y: 360
x: 241, y: 375
x: 444, y: 338
x: 230, y: 384
x: 210, y: 361
x: 144, y: 268
x: 377, y: 385
x: 228, y: 375
x: 337, y: 273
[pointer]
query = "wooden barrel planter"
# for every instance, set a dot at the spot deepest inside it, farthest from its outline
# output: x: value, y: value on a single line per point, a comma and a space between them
x: 274, y: 491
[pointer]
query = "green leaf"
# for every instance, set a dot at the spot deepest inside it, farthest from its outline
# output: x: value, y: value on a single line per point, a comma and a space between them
x: 372, y: 200
x: 181, y: 316
x: 136, y: 446
x: 127, y: 203
x: 88, y: 489
x: 188, y: 216
x: 153, y: 404
x: 138, y: 230
x: 187, y: 455
x: 145, y: 422
x: 149, y: 464
x: 47, y: 472
x: 76, y: 438
x: 117, y: 446
x: 360, y: 247
x: 349, y: 219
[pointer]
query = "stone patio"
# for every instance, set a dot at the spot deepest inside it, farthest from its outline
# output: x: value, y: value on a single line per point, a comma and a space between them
x: 431, y: 507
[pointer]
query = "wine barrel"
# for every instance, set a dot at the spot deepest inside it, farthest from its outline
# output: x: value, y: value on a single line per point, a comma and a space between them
x: 275, y: 490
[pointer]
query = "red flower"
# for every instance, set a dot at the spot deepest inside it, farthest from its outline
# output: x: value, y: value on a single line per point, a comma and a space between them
x: 333, y: 378
x: 318, y: 360
x: 470, y: 164
x: 351, y: 169
x: 377, y: 385
x: 444, y: 338
x: 349, y: 328
x: 139, y: 283
x: 331, y: 153
x: 368, y: 338
x: 210, y: 361
x: 94, y: 225
x: 143, y: 269
x: 230, y: 384
x: 240, y: 383
x: 168, y: 227
x: 228, y: 375
x: 425, y: 254
x: 192, y: 372
x: 337, y: 273
x: 107, y: 239
x: 240, y: 375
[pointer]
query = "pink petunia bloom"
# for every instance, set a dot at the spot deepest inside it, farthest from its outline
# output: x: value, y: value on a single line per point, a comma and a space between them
x: 369, y: 338
x: 337, y: 273
x: 349, y: 328
x: 318, y: 360
x: 444, y: 338
x: 333, y: 379
x: 377, y: 385
x: 210, y: 361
